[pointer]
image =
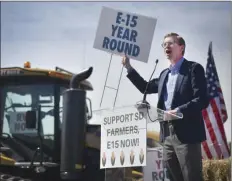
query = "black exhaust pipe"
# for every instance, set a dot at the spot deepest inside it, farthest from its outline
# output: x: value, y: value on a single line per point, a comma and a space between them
x: 73, y: 128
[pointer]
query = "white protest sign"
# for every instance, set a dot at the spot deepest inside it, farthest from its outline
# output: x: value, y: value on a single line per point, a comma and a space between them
x: 123, y: 138
x: 123, y: 33
x: 154, y: 170
x: 18, y: 124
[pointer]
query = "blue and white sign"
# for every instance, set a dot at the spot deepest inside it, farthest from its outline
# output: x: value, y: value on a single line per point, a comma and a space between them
x: 123, y: 33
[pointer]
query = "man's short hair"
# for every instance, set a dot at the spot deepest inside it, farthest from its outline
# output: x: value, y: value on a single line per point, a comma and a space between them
x: 178, y: 39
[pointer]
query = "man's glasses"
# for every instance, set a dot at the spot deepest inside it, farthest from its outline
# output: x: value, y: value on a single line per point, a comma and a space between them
x: 164, y: 45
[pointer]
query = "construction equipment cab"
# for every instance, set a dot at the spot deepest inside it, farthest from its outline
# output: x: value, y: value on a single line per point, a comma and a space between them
x: 22, y: 90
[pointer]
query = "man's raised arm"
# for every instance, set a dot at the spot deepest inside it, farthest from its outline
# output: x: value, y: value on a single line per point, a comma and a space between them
x: 137, y: 80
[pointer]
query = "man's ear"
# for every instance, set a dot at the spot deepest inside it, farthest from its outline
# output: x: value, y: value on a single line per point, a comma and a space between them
x: 182, y: 47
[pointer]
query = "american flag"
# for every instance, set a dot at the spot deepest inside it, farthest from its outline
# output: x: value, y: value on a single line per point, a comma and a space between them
x: 216, y: 146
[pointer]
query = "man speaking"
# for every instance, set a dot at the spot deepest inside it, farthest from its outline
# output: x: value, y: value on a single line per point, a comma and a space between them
x: 181, y: 87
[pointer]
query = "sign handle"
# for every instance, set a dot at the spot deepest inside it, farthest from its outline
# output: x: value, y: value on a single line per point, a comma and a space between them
x: 118, y: 86
x: 106, y: 79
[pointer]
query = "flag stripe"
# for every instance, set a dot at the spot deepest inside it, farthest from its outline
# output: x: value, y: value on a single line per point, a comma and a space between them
x: 219, y: 123
x: 217, y: 116
x: 210, y: 144
x: 211, y: 132
x: 222, y: 100
x: 220, y: 142
x: 224, y: 112
x: 203, y: 154
x: 206, y: 151
x: 210, y: 153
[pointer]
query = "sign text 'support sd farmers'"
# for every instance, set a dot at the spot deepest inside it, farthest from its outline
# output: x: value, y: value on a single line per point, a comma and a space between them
x: 123, y: 130
x: 123, y: 138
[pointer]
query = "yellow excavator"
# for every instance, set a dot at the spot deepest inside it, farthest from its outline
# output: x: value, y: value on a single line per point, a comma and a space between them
x: 44, y: 134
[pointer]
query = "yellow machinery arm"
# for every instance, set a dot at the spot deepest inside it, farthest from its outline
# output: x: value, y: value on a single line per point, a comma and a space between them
x: 5, y: 160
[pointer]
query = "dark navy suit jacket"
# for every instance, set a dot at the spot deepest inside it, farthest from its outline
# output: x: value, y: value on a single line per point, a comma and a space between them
x: 190, y: 96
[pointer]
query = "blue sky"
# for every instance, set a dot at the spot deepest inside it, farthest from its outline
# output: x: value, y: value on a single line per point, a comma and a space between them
x: 61, y: 34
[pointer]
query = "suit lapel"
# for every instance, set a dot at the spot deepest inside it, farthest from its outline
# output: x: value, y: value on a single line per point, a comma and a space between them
x: 180, y: 78
x: 161, y: 82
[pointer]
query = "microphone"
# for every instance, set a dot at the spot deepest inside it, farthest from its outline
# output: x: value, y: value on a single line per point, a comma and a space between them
x: 144, y: 103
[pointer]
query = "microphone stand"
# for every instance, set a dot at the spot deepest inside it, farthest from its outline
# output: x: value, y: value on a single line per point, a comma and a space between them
x: 144, y: 104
